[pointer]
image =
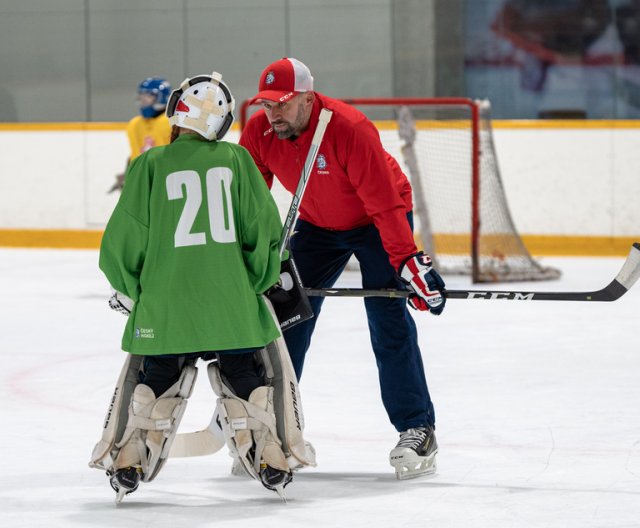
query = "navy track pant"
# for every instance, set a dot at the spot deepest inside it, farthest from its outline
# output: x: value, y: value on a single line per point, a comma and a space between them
x: 321, y: 256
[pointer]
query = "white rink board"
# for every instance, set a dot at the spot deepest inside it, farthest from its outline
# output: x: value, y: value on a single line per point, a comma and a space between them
x: 577, y: 182
x: 558, y: 181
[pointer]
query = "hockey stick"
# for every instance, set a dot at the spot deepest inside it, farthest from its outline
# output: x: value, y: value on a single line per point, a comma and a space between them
x: 623, y: 281
x: 199, y: 443
x: 289, y: 300
x: 323, y: 121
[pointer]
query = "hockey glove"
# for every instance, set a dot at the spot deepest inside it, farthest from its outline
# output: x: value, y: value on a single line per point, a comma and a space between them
x: 426, y: 283
x: 121, y: 303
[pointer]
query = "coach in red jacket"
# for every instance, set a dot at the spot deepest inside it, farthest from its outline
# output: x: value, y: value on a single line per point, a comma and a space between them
x: 357, y: 202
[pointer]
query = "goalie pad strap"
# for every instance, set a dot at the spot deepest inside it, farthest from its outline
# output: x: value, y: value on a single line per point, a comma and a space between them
x: 148, y: 424
x: 256, y: 418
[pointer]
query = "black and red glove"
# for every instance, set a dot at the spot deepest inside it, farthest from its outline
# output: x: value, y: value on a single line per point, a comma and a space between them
x: 426, y: 283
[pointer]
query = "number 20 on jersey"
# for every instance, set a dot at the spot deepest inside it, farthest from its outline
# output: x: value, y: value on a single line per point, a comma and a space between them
x: 186, y: 184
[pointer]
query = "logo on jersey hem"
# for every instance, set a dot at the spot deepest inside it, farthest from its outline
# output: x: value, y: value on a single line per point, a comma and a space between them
x: 145, y: 333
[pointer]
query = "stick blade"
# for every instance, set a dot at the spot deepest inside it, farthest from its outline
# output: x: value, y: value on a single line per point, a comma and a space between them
x: 630, y: 272
x: 199, y: 443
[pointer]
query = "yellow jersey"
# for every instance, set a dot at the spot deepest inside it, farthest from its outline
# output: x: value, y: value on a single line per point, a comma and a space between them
x: 146, y: 133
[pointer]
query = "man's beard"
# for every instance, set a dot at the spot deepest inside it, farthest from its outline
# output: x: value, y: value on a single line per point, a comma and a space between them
x: 292, y: 129
x: 286, y: 133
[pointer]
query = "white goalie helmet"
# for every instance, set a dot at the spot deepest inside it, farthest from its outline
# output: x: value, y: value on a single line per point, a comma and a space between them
x: 203, y: 104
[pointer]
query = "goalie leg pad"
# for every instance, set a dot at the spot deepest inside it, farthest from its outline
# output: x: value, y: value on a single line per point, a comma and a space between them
x: 249, y: 426
x: 117, y: 413
x: 152, y: 424
x: 268, y: 445
x: 234, y: 419
x: 287, y: 402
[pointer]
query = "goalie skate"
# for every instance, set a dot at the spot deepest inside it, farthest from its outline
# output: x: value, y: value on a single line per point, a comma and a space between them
x: 415, y: 453
x: 124, y: 481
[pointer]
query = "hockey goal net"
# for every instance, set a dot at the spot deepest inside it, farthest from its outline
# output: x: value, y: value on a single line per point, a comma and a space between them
x: 461, y: 214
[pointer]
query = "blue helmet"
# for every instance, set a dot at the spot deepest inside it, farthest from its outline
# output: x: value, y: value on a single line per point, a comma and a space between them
x: 160, y: 89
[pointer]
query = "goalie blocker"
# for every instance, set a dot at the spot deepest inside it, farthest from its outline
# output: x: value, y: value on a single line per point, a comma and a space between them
x: 289, y: 298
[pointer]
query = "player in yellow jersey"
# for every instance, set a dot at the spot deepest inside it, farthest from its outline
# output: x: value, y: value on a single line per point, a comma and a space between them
x: 151, y: 128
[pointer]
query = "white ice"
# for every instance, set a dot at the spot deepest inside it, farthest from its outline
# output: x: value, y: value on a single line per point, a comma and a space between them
x: 538, y: 414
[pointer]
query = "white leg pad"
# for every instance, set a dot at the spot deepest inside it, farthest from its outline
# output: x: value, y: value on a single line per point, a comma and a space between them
x: 249, y: 424
x: 117, y: 413
x: 287, y: 402
x: 132, y: 446
x: 152, y: 424
x: 267, y: 443
x: 235, y: 424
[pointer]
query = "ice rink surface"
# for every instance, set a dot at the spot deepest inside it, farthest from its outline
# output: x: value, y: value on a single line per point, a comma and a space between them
x: 538, y: 414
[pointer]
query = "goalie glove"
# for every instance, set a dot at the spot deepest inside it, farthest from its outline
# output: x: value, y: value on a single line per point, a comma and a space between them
x: 121, y: 303
x: 416, y: 271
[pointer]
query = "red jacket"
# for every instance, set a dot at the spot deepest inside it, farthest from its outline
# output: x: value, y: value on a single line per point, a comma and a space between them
x: 354, y: 182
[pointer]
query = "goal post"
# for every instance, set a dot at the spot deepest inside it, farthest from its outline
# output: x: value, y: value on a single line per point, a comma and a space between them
x: 461, y: 214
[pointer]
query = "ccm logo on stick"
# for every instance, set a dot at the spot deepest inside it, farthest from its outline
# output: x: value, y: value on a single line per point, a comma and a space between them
x: 501, y: 295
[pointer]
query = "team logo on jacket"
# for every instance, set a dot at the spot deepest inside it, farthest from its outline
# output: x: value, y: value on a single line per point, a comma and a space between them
x: 321, y: 164
x: 270, y: 78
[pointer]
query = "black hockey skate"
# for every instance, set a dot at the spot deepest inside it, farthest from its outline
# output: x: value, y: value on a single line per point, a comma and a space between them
x: 125, y: 481
x: 275, y: 479
x: 415, y: 453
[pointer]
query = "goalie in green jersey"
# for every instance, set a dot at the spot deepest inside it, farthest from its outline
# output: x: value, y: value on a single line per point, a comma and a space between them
x: 189, y: 250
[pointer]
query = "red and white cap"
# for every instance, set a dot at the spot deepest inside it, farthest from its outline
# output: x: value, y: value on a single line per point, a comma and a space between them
x: 283, y: 80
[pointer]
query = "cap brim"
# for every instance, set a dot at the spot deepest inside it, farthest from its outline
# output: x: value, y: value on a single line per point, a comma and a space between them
x: 277, y: 96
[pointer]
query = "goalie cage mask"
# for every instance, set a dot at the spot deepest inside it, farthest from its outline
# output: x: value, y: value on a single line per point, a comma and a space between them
x: 203, y: 104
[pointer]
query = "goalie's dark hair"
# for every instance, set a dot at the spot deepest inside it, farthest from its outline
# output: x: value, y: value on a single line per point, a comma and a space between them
x: 175, y: 132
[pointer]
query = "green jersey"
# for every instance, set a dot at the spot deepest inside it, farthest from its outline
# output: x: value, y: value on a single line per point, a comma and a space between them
x: 193, y: 241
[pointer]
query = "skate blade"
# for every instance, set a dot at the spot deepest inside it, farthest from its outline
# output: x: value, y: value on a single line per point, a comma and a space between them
x: 406, y: 473
x: 409, y: 467
x: 280, y: 491
x: 120, y: 495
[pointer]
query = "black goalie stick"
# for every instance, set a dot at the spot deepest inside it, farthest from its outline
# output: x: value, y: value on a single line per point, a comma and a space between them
x: 623, y: 281
x: 289, y: 299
